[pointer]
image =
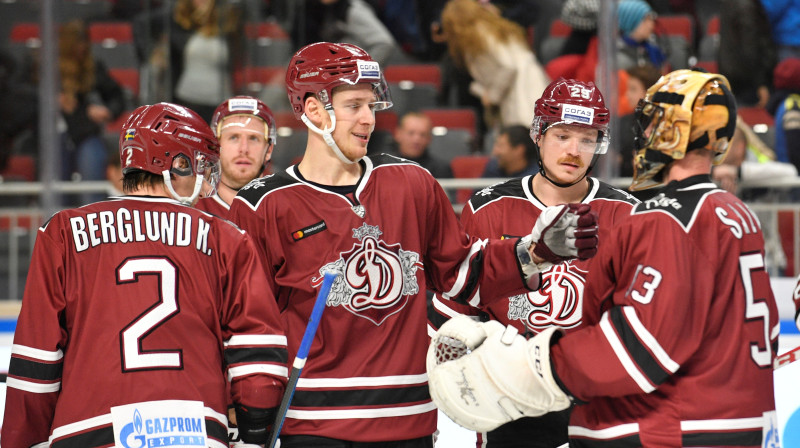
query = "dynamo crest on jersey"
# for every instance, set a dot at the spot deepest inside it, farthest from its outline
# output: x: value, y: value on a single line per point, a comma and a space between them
x: 558, y: 302
x: 375, y: 279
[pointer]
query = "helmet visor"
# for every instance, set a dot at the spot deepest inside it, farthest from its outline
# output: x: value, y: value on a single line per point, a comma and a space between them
x: 207, y: 166
x: 369, y: 72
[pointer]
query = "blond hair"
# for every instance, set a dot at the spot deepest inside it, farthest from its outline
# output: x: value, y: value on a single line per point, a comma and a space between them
x: 464, y: 24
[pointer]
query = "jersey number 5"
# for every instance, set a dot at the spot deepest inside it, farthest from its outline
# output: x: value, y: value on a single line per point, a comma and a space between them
x: 755, y: 309
x: 133, y: 356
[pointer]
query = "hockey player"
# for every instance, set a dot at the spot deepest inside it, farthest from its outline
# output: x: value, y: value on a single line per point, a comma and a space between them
x: 386, y: 226
x: 680, y: 323
x: 570, y: 131
x: 245, y: 127
x: 136, y: 308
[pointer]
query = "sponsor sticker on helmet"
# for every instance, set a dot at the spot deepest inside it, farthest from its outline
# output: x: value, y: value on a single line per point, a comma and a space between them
x: 368, y: 69
x: 571, y: 113
x: 242, y: 104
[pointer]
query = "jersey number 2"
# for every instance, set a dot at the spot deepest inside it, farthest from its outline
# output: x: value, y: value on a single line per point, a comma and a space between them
x: 133, y: 356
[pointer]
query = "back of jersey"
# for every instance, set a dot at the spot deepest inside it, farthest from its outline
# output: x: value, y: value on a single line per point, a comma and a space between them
x: 132, y: 301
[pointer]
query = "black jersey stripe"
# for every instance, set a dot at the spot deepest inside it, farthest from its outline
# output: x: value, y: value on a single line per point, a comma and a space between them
x: 256, y: 354
x: 360, y: 397
x: 648, y: 364
x: 42, y: 371
x: 632, y: 441
x: 727, y: 438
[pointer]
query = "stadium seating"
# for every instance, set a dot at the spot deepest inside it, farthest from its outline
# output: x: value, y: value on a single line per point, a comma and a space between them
x: 265, y: 83
x: 708, y: 47
x: 414, y: 87
x: 467, y: 167
x: 454, y: 132
x: 268, y: 44
x: 677, y: 36
x: 112, y: 43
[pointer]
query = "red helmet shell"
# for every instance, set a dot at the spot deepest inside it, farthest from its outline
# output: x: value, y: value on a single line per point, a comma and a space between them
x: 245, y: 105
x: 569, y: 101
x: 317, y: 68
x: 153, y: 135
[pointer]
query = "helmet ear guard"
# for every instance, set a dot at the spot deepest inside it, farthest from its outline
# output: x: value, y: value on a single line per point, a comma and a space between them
x: 683, y: 111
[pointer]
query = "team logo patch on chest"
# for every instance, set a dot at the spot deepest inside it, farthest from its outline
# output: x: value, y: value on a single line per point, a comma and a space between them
x: 558, y: 302
x: 376, y: 279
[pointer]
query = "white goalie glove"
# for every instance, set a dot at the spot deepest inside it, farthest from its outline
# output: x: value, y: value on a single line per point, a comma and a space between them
x: 483, y: 375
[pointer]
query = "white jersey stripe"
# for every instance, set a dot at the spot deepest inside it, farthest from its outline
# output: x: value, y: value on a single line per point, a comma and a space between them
x: 398, y: 380
x: 41, y: 355
x: 344, y: 414
x: 256, y: 339
x: 649, y: 340
x: 613, y: 432
x: 723, y: 424
x: 36, y: 388
x: 463, y: 269
x: 248, y: 369
x: 622, y: 355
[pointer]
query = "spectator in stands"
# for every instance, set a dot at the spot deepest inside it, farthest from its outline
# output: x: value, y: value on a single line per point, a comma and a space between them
x: 114, y: 173
x: 89, y: 98
x: 784, y: 105
x: 513, y: 154
x: 506, y: 75
x: 204, y: 48
x: 18, y: 110
x: 784, y: 18
x: 412, y: 137
x: 352, y: 21
x: 637, y: 44
x: 638, y: 80
x: 747, y: 54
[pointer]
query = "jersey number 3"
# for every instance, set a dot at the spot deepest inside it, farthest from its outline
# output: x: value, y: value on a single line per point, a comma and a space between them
x: 133, y: 356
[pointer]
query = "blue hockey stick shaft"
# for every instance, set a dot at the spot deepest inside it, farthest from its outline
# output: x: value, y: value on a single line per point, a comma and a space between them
x: 302, y: 355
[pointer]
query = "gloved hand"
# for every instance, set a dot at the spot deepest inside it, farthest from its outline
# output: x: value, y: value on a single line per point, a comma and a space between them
x: 564, y: 232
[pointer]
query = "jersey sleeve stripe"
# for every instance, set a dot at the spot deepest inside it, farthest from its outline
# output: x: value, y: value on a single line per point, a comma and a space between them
x: 634, y: 344
x: 42, y: 355
x: 466, y: 269
x: 330, y: 383
x: 622, y: 355
x: 649, y: 340
x: 249, y: 369
x: 256, y: 339
x: 361, y: 413
x: 34, y: 370
x: 613, y: 432
x: 256, y: 354
x: 36, y: 388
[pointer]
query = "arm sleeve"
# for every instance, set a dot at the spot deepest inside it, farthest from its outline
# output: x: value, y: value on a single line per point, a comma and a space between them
x: 34, y: 374
x: 256, y: 353
x: 493, y: 73
x: 639, y: 340
x: 458, y: 265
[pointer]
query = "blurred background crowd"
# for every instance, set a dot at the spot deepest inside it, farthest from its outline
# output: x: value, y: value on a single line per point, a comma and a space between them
x: 464, y: 75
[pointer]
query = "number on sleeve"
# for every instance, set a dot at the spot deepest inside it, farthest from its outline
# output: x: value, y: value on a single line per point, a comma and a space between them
x: 644, y: 284
x: 756, y: 308
x: 133, y: 357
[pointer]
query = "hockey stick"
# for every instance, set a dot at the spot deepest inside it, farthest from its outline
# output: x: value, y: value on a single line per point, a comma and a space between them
x: 302, y: 355
x: 787, y: 358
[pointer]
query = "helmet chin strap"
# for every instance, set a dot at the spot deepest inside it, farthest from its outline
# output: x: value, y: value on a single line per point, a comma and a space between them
x: 326, y: 135
x: 188, y: 200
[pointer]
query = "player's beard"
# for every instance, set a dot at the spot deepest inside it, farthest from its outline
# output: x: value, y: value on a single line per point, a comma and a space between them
x: 236, y: 179
x: 573, y: 160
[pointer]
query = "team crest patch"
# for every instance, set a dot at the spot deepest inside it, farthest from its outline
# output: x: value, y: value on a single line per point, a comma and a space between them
x: 306, y: 232
x: 559, y: 301
x: 375, y: 279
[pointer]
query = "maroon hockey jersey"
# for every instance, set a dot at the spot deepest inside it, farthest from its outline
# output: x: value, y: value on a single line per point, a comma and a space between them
x: 680, y: 330
x: 130, y: 302
x: 506, y: 210
x: 395, y: 237
x: 214, y: 205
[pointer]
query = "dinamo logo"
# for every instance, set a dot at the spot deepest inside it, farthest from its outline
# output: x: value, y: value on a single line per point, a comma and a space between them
x: 558, y: 302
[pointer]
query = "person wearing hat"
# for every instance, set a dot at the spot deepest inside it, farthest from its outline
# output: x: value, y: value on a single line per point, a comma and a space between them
x: 785, y: 107
x: 636, y: 44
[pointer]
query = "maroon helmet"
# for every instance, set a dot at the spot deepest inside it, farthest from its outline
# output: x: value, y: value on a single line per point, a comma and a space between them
x: 170, y: 137
x: 573, y: 102
x: 317, y: 68
x: 245, y: 105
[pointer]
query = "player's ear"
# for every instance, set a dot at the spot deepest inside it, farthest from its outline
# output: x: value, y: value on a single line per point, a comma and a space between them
x: 315, y: 111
